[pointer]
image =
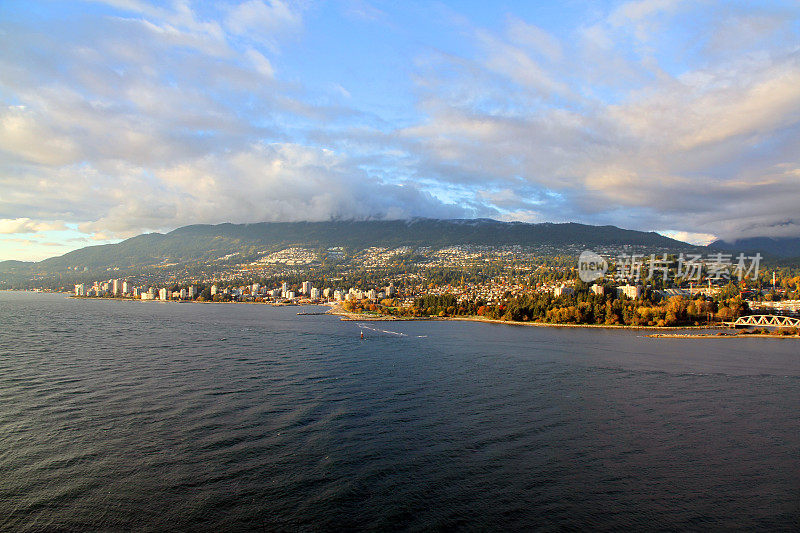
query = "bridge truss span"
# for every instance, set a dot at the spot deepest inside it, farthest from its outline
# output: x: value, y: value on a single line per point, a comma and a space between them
x: 774, y: 321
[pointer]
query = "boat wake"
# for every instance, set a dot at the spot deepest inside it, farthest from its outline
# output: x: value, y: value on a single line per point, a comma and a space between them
x: 387, y: 332
x: 384, y: 331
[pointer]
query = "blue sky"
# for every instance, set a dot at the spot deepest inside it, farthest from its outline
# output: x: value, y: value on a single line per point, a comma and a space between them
x: 121, y: 117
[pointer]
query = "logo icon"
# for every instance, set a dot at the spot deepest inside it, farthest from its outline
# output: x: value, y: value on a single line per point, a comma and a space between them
x: 591, y: 266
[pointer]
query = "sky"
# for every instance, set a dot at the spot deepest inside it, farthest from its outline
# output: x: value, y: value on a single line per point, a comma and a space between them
x: 122, y: 117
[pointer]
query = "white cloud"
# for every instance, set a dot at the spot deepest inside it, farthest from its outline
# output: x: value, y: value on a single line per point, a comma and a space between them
x: 261, y: 20
x: 699, y: 239
x: 274, y: 182
x: 705, y: 150
x: 26, y: 225
x: 25, y: 136
x: 535, y: 38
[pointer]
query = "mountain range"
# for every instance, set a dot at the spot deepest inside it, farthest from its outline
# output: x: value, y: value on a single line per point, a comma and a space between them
x: 212, y: 242
x: 777, y: 246
x: 207, y: 242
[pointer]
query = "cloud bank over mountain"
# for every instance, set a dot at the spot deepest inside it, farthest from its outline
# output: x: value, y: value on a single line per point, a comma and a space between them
x: 121, y: 117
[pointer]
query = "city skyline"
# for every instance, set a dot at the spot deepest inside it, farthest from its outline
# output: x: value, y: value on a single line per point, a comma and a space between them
x: 125, y: 117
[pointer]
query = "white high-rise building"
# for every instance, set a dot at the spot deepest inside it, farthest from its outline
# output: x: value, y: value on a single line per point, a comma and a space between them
x: 115, y: 286
x: 597, y: 289
x: 164, y: 294
x: 125, y: 288
x: 562, y: 291
x: 80, y: 290
x: 214, y: 290
x: 371, y: 294
x: 390, y: 290
x: 183, y: 294
x: 255, y: 288
x: 326, y: 292
x: 290, y: 295
x: 284, y: 287
x: 315, y: 293
x: 631, y: 291
x: 192, y: 292
x: 306, y: 287
x: 338, y: 296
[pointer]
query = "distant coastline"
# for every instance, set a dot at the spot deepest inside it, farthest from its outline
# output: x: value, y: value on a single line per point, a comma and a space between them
x: 347, y: 316
x: 360, y: 317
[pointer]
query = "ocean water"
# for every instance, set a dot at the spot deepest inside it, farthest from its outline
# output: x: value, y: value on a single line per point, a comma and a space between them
x: 150, y: 416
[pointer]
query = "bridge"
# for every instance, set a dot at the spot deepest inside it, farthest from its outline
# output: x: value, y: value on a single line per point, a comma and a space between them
x: 769, y: 321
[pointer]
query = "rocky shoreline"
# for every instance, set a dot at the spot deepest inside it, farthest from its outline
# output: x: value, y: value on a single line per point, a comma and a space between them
x: 361, y: 317
x: 721, y: 336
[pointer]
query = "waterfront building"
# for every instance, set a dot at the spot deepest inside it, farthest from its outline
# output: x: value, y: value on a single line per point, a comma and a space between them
x: 338, y: 296
x: 306, y: 287
x: 631, y: 291
x: 315, y: 294
x: 563, y: 291
x: 214, y: 290
x: 326, y: 292
x: 597, y: 289
x: 290, y: 295
x: 183, y: 294
x: 784, y: 307
x: 163, y: 294
x: 192, y: 292
x: 80, y: 290
x: 284, y: 287
x: 116, y: 286
x: 255, y: 288
x: 371, y: 294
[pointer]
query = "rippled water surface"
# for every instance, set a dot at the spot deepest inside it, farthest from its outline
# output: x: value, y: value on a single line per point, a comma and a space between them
x: 142, y: 415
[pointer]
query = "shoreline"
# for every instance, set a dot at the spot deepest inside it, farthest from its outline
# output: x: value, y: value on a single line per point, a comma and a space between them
x: 348, y: 316
x: 722, y: 336
x: 336, y: 310
x: 156, y: 300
